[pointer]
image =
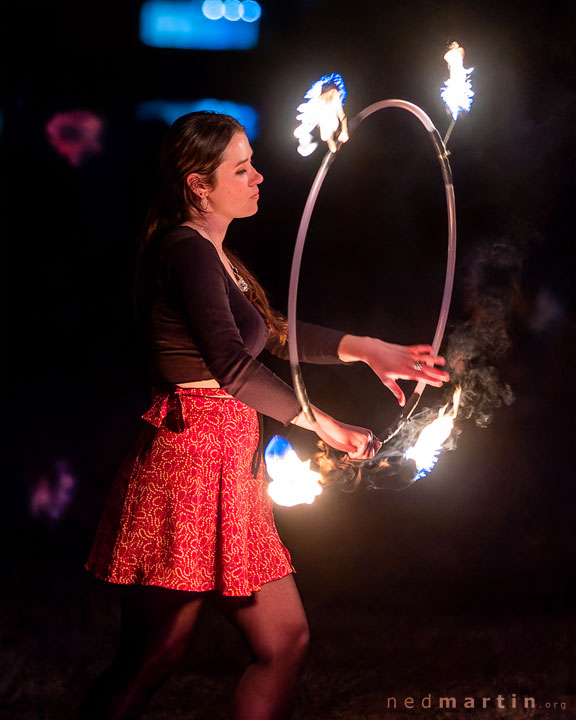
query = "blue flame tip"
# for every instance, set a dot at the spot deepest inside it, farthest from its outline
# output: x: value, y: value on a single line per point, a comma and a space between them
x: 334, y: 78
x: 277, y: 447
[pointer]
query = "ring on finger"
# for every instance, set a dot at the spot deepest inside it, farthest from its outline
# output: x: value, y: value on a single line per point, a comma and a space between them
x: 371, y: 445
x: 417, y: 365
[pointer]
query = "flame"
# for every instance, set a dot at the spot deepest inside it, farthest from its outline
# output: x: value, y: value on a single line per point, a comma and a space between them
x: 293, y: 482
x: 457, y: 92
x: 325, y: 110
x: 429, y: 443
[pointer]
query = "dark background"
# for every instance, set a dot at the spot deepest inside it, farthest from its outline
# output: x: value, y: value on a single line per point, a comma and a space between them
x: 466, y: 580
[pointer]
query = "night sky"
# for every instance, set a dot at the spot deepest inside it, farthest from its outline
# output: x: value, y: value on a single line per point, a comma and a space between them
x: 492, y: 527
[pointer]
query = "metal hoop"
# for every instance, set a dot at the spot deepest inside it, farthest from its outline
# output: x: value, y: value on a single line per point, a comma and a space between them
x: 329, y: 158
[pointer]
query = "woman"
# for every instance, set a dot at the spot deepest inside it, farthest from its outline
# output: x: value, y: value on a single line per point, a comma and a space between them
x: 188, y: 517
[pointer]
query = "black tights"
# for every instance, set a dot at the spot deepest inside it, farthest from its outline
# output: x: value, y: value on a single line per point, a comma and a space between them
x: 156, y: 627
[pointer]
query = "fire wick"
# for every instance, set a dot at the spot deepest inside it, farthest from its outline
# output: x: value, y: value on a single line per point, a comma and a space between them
x: 449, y: 132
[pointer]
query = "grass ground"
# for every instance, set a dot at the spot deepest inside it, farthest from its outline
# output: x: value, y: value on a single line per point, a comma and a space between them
x: 402, y: 637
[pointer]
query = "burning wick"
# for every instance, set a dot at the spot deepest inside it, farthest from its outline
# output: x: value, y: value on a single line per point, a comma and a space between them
x: 457, y: 92
x: 293, y: 482
x: 325, y: 110
x: 427, y: 448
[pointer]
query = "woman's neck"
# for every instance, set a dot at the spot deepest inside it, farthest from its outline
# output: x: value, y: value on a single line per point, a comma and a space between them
x: 215, y: 234
x: 212, y: 227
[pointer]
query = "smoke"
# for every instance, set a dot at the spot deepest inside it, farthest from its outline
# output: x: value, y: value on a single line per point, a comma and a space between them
x: 477, y: 347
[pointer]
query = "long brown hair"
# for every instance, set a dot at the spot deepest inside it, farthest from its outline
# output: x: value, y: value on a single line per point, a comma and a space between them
x: 195, y: 143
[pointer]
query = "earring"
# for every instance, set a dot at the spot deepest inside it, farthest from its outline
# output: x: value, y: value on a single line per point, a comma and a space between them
x: 204, y: 202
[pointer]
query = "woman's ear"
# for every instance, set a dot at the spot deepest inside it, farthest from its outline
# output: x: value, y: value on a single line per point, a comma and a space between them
x: 200, y: 189
x: 197, y: 184
x: 194, y: 183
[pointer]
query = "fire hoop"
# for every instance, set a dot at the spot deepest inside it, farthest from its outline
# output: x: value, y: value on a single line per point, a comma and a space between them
x: 440, y: 148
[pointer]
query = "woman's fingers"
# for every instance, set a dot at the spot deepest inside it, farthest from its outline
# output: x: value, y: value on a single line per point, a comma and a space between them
x: 426, y: 359
x: 358, y: 442
x: 425, y: 354
x: 430, y: 359
x: 362, y: 439
x: 433, y: 376
x: 423, y: 366
x: 421, y: 349
x: 427, y: 373
x: 396, y: 390
x: 368, y: 448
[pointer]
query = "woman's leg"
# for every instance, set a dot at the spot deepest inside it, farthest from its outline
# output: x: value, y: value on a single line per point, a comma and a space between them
x: 274, y: 624
x: 155, y: 632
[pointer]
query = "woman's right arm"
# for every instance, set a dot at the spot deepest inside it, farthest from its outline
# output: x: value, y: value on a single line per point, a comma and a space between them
x: 199, y: 278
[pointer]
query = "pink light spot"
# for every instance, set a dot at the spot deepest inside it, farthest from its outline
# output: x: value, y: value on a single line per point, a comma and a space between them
x: 76, y: 135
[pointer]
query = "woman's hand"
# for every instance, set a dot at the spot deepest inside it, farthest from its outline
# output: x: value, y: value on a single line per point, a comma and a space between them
x: 358, y: 442
x: 395, y: 362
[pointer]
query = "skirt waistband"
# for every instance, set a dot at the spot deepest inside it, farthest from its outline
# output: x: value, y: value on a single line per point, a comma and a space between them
x: 167, y: 401
x: 199, y: 392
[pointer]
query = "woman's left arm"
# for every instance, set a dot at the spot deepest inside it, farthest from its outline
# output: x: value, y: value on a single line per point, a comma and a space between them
x: 317, y: 344
x: 394, y: 362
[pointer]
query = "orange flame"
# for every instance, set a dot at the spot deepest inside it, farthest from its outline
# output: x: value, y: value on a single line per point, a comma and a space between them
x: 429, y: 443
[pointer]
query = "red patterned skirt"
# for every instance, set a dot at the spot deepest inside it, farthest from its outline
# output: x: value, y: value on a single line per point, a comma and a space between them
x: 185, y: 510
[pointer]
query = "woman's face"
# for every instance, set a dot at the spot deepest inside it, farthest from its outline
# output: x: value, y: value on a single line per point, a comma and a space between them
x: 235, y: 192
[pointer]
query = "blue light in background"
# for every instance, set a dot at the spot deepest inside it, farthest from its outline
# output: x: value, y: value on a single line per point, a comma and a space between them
x: 213, y: 9
x: 247, y: 10
x: 251, y: 11
x: 197, y: 25
x: 170, y: 110
x: 232, y: 10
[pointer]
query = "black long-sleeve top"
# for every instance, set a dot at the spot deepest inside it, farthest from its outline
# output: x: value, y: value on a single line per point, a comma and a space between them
x: 199, y: 325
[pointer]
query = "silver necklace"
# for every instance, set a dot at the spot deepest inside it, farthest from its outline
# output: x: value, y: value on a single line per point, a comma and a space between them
x: 242, y: 284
